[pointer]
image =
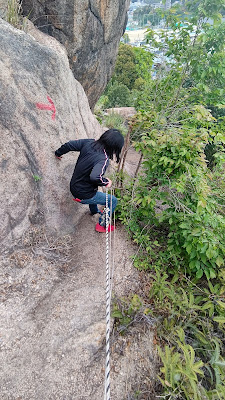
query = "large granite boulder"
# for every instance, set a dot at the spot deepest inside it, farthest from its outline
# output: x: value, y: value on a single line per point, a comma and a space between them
x: 90, y: 30
x: 34, y: 183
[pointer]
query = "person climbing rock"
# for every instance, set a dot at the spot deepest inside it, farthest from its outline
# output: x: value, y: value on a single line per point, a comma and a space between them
x: 90, y: 169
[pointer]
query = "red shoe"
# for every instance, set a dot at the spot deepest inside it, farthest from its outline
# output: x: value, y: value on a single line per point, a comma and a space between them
x: 102, y: 229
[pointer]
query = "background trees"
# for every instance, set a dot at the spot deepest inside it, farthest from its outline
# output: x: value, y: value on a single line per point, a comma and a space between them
x: 133, y: 70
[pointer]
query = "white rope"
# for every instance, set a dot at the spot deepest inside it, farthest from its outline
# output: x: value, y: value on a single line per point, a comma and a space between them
x: 112, y: 245
x: 108, y: 298
x: 110, y: 241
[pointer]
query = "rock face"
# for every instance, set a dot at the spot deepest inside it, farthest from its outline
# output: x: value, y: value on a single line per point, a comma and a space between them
x: 34, y: 184
x: 90, y: 30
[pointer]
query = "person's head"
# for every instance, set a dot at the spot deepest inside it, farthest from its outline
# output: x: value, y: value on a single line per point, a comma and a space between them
x: 112, y: 141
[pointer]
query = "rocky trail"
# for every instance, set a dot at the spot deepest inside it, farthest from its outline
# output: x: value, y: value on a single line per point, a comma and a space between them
x: 53, y: 318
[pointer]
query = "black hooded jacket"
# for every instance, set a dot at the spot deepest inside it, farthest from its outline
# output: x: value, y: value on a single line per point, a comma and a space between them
x: 89, y: 169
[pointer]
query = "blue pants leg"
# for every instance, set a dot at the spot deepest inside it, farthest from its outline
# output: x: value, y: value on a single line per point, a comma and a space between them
x: 100, y: 198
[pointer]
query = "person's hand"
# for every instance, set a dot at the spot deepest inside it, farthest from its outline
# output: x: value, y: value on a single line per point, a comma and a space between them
x: 59, y: 158
x: 109, y: 184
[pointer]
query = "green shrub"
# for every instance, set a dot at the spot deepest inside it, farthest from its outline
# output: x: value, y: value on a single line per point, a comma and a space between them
x: 174, y: 209
x: 118, y: 96
x: 175, y: 192
x: 126, y: 71
x: 117, y: 121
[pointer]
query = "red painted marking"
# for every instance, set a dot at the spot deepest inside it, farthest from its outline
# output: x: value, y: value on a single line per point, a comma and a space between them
x: 50, y: 106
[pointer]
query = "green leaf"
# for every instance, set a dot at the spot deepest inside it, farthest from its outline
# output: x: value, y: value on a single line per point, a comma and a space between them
x: 219, y: 319
x: 192, y: 264
x: 201, y: 338
x: 117, y: 314
x: 212, y: 273
x: 204, y: 248
x: 220, y: 363
x: 189, y: 248
x: 219, y: 261
x: 199, y: 273
x: 210, y: 253
x: 221, y: 304
x: 207, y: 305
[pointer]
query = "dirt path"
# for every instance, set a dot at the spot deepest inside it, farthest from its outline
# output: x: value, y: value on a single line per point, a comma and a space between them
x: 53, y: 318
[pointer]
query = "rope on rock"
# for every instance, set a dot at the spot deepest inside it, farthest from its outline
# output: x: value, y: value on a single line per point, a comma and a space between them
x: 108, y: 301
x: 112, y: 242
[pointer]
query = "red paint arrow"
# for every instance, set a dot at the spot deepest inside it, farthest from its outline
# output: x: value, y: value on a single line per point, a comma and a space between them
x: 47, y: 106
